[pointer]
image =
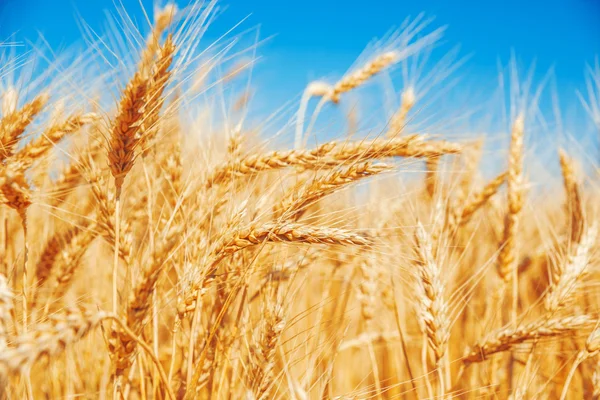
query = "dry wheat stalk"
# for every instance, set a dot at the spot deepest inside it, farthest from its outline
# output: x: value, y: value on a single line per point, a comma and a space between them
x: 16, y: 194
x: 6, y: 305
x: 122, y: 345
x: 366, y: 338
x: 592, y: 349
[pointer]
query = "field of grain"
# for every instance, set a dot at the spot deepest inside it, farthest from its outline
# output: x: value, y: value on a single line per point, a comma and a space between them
x: 160, y: 241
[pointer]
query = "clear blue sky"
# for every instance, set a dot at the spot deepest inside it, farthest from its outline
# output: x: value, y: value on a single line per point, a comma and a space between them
x: 315, y: 38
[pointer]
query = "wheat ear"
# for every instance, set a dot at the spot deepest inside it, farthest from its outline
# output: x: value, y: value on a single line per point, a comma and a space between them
x: 565, y: 280
x: 237, y: 240
x: 49, y: 338
x: 507, y: 339
x: 574, y: 204
x: 508, y: 253
x: 294, y: 204
x: 38, y: 147
x: 461, y: 215
x: 14, y: 124
x: 433, y: 309
x: 330, y: 155
x: 398, y: 121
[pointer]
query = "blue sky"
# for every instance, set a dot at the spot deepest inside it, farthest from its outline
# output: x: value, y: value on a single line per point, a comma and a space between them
x: 316, y: 38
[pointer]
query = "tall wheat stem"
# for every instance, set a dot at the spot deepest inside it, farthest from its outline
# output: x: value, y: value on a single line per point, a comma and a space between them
x: 23, y: 214
x: 578, y: 361
x: 115, y: 299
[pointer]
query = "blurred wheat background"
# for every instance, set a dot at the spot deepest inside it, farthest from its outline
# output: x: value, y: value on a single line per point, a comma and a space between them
x: 375, y: 236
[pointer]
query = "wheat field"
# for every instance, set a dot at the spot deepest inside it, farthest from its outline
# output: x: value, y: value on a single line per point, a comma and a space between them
x: 159, y: 240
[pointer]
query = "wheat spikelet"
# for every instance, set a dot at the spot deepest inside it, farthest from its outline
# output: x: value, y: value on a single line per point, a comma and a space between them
x: 237, y: 69
x: 409, y: 146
